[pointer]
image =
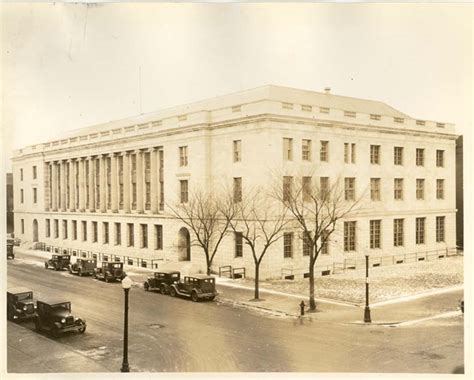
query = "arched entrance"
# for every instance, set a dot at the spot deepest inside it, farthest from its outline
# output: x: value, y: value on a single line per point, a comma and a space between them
x: 35, y: 230
x: 184, y: 245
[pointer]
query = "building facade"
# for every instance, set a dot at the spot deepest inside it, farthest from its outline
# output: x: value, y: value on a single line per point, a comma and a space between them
x: 106, y: 188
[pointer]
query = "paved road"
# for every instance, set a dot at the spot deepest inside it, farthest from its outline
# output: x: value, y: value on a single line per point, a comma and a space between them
x: 169, y: 335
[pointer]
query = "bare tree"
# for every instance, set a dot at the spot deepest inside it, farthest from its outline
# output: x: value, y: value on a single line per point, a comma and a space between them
x: 316, y: 209
x: 204, y: 214
x: 260, y: 221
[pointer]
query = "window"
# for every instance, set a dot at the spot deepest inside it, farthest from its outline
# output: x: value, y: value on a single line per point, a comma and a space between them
x: 420, y: 230
x: 183, y: 156
x: 287, y: 106
x: 238, y: 189
x: 84, y: 230
x: 118, y: 234
x: 131, y: 237
x: 288, y: 244
x: 94, y: 232
x: 440, y: 158
x: 398, y: 232
x: 375, y: 154
x: 23, y: 226
x: 324, y: 186
x: 349, y: 188
x: 144, y: 230
x: 440, y: 229
x: 440, y: 125
x: 420, y: 157
x: 398, y: 119
x: 238, y: 244
x: 420, y: 122
x: 349, y: 236
x: 420, y: 188
x: 440, y: 189
x: 35, y: 195
x: 307, y: 108
x: 22, y: 196
x: 105, y: 232
x: 21, y: 174
x: 184, y: 190
x: 35, y: 172
x: 287, y: 188
x: 120, y: 181
x: 323, y: 110
x: 375, y: 189
x: 158, y: 236
x: 287, y: 149
x: 307, y: 245
x: 237, y: 150
x: 306, y: 150
x: 398, y: 188
x: 48, y: 228
x: 349, y: 113
x: 236, y: 108
x: 324, y: 151
x: 307, y: 188
x: 64, y: 229
x: 375, y: 117
x: 56, y: 228
x: 74, y: 230
x: 398, y: 155
x: 375, y: 233
x: 325, y: 243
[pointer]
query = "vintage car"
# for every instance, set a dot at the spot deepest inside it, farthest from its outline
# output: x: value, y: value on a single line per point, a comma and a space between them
x: 110, y: 271
x: 55, y: 317
x: 20, y: 304
x: 161, y: 281
x: 197, y: 287
x: 10, y: 248
x: 58, y: 262
x: 83, y: 267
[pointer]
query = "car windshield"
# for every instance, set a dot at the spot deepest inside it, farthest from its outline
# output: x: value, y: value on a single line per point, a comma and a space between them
x: 61, y: 307
x: 117, y: 266
x: 66, y: 257
x: 175, y: 276
x: 24, y: 296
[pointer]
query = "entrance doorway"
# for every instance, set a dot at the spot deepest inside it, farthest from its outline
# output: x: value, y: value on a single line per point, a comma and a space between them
x: 184, y: 245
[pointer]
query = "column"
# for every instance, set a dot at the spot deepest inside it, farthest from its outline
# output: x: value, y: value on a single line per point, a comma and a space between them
x: 72, y: 185
x: 103, y: 184
x: 140, y: 181
x: 91, y: 184
x: 82, y: 184
x: 54, y: 187
x: 154, y: 180
x: 114, y: 179
x: 126, y: 182
x: 63, y: 186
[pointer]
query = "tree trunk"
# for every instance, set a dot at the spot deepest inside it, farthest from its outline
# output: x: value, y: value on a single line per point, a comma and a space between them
x: 209, y: 263
x: 312, y: 301
x: 257, y: 279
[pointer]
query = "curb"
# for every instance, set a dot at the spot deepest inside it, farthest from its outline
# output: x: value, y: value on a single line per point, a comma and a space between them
x: 228, y: 301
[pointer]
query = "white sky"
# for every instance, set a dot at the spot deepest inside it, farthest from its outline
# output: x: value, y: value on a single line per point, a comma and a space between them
x: 71, y: 66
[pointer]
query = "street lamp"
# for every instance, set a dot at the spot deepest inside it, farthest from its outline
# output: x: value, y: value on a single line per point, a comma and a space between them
x: 126, y: 285
x: 367, y: 318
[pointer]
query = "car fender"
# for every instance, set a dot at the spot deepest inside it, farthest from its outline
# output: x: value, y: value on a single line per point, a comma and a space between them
x: 57, y: 324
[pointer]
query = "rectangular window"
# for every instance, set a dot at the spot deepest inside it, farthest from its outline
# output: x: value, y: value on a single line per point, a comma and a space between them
x: 23, y: 226
x: 84, y: 230
x: 325, y: 243
x: 398, y: 155
x: 323, y: 109
x: 375, y: 117
x: 158, y: 236
x: 375, y: 189
x: 440, y: 189
x: 118, y: 234
x: 440, y: 229
x: 21, y: 174
x: 144, y: 229
x: 147, y: 195
x: 105, y: 232
x: 323, y: 186
x: 238, y: 251
x: 307, y: 245
x: 56, y: 228
x: 324, y: 151
x: 64, y: 229
x: 35, y: 172
x: 349, y: 113
x: 420, y: 188
x: 346, y: 153
x: 287, y: 188
x: 398, y: 119
x: 287, y: 149
x: 131, y: 233
x: 349, y: 153
x: 48, y: 228
x: 398, y: 188
x: 375, y: 233
x: 288, y: 244
x: 306, y: 150
x: 74, y: 230
x: 184, y: 190
x: 35, y: 195
x: 287, y: 106
x: 238, y: 189
x: 375, y: 154
x: 420, y: 230
x: 22, y: 196
x: 237, y: 150
x: 120, y: 181
x: 349, y: 236
x: 307, y: 188
x: 440, y: 158
x: 398, y: 232
x: 307, y: 108
x: 183, y: 156
x: 94, y: 232
x: 349, y: 188
x: 420, y: 157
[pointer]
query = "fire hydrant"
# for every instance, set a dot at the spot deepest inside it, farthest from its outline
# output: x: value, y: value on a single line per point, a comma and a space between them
x: 302, y: 305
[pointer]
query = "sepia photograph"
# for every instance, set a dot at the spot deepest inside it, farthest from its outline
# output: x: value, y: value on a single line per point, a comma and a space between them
x: 236, y: 189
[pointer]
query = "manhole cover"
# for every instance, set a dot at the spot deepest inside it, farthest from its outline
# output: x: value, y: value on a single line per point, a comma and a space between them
x: 156, y: 326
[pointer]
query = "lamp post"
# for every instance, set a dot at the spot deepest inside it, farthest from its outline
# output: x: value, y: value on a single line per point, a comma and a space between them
x: 126, y: 285
x: 367, y: 318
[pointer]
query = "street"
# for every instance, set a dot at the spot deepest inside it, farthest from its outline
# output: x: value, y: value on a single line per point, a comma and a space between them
x: 176, y: 335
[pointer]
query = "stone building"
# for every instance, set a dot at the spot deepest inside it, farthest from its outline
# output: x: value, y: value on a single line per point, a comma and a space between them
x: 106, y: 188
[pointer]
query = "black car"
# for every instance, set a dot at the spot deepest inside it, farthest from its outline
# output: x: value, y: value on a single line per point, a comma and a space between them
x: 196, y: 287
x: 83, y: 267
x: 110, y: 271
x: 58, y: 262
x: 55, y: 317
x: 20, y: 304
x: 161, y: 281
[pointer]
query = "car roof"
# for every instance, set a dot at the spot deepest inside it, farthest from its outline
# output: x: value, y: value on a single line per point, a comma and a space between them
x: 167, y: 271
x: 19, y: 289
x: 199, y: 276
x: 53, y: 301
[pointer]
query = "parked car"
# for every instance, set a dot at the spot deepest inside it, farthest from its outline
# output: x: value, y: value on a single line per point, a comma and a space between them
x: 58, y: 262
x: 20, y: 304
x: 196, y: 286
x: 461, y: 305
x: 83, y: 267
x: 10, y: 252
x: 161, y: 281
x: 55, y: 317
x: 110, y: 271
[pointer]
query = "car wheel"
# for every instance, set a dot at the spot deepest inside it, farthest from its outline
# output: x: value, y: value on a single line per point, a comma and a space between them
x: 194, y: 297
x: 55, y: 332
x: 79, y: 272
x: 172, y: 292
x: 163, y: 289
x: 106, y: 278
x: 37, y: 325
x: 46, y: 265
x: 146, y: 286
x: 82, y: 329
x: 212, y: 298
